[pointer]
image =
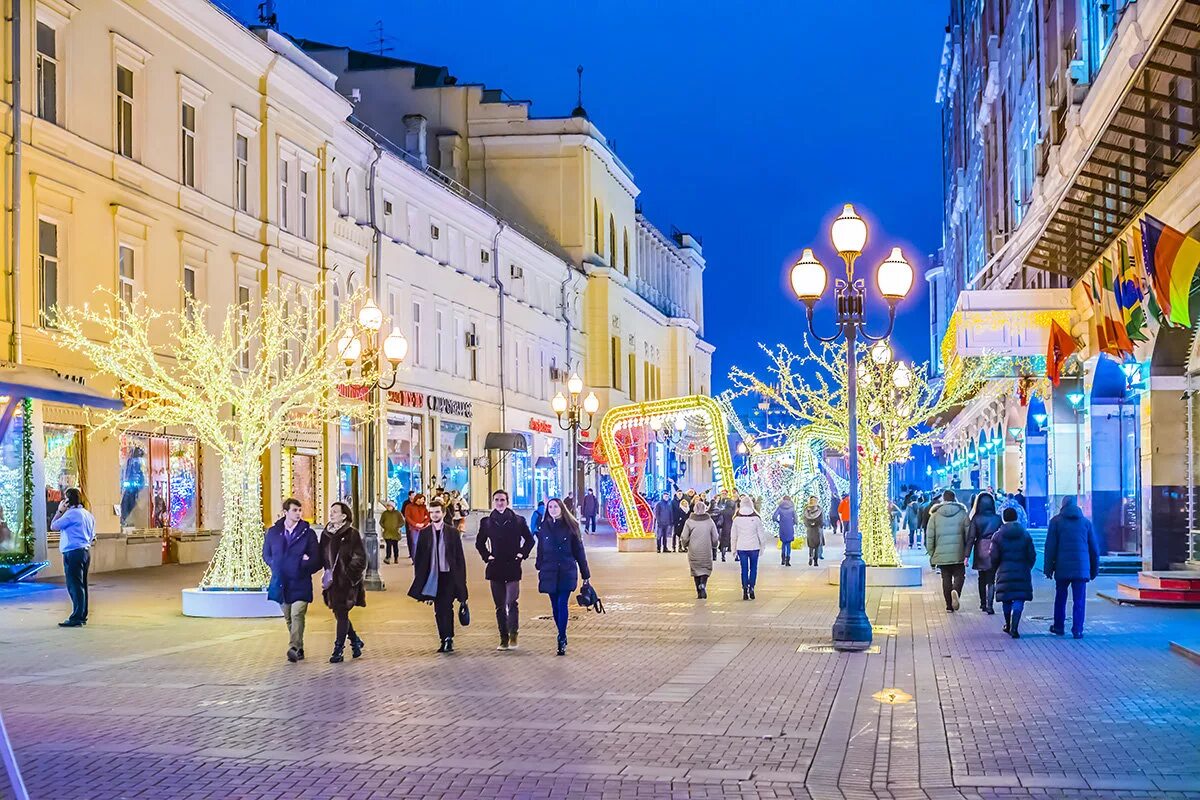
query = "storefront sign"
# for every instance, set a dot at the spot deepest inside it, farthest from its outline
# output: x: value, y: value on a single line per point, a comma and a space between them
x: 354, y: 391
x: 133, y: 395
x: 444, y: 405
x: 539, y: 426
x: 404, y: 397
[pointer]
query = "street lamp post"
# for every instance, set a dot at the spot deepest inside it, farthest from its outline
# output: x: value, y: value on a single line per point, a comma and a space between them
x: 1075, y: 398
x: 570, y: 418
x: 851, y: 629
x: 365, y: 354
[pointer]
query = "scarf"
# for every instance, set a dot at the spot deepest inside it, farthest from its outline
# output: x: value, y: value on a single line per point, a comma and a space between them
x: 431, y: 583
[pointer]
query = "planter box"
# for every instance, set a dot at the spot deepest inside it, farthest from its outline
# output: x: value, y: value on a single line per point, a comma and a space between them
x: 640, y: 544
x: 194, y: 548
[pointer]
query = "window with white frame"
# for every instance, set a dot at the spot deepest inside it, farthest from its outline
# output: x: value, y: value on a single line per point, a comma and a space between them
x: 243, y: 324
x: 460, y: 344
x: 241, y: 172
x: 46, y: 72
x: 416, y: 334
x: 542, y: 375
x: 439, y: 337
x: 473, y: 353
x: 285, y: 201
x: 529, y: 385
x: 189, y: 291
x: 124, y: 111
x: 126, y: 276
x: 302, y: 212
x: 187, y: 144
x: 47, y: 271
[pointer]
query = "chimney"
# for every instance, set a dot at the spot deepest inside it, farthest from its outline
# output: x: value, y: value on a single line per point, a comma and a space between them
x: 414, y: 139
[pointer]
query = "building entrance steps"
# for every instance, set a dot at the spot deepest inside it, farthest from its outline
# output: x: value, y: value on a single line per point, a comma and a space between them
x: 1179, y: 589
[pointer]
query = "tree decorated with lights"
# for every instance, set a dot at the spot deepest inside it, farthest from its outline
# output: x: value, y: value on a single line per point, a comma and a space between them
x: 897, y: 409
x: 237, y: 385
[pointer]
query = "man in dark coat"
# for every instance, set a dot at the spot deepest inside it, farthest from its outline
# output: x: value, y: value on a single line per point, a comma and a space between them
x: 291, y: 550
x: 589, y: 508
x: 504, y: 541
x: 1020, y: 498
x: 664, y: 523
x: 1013, y: 555
x: 441, y: 572
x: 1072, y: 559
x: 680, y: 512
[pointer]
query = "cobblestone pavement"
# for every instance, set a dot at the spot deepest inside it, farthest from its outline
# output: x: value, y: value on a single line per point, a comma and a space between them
x: 665, y: 696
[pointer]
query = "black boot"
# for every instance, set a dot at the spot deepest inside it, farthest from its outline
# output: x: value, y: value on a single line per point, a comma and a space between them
x: 745, y: 592
x: 356, y: 646
x: 337, y: 657
x: 751, y: 592
x: 1007, y: 621
x: 449, y: 645
x: 442, y: 646
x: 1016, y: 623
x: 704, y: 591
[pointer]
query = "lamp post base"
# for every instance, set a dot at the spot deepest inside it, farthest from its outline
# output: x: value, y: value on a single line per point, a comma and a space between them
x: 372, y: 581
x: 852, y: 630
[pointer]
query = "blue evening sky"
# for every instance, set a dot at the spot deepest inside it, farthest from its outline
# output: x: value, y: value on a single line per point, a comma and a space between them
x: 747, y: 123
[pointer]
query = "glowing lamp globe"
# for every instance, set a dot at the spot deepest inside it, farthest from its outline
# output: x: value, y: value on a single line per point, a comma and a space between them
x: 741, y: 448
x: 591, y: 403
x: 902, y: 377
x: 680, y: 423
x: 559, y: 404
x: 808, y: 277
x: 849, y: 232
x: 370, y: 317
x: 1075, y: 399
x: 881, y: 353
x: 350, y: 348
x: 656, y: 424
x: 574, y: 383
x: 395, y: 347
x: 895, y: 276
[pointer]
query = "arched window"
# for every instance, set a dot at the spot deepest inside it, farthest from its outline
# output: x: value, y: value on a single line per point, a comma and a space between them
x: 338, y: 188
x: 625, y: 252
x: 348, y: 194
x: 337, y: 302
x: 597, y: 238
x: 612, y: 241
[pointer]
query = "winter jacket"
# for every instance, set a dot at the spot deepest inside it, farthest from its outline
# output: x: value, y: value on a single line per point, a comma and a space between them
x: 416, y: 516
x: 1072, y: 552
x: 590, y: 505
x: 912, y: 515
x: 946, y: 534
x: 844, y: 510
x: 926, y: 510
x: 748, y: 533
x: 725, y: 523
x: 503, y: 542
x: 664, y: 519
x: 455, y: 559
x: 535, y: 520
x: 560, y: 557
x: 343, y: 552
x: 814, y: 526
x: 983, y: 525
x: 292, y: 563
x: 391, y: 521
x: 680, y: 510
x: 700, y: 537
x: 1022, y: 516
x: 785, y: 518
x: 1013, y: 555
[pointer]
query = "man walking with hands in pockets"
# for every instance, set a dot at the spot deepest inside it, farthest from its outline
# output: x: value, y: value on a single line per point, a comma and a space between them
x: 504, y: 541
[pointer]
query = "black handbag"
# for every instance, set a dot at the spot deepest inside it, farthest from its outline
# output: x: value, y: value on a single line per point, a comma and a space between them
x: 464, y: 614
x: 588, y: 598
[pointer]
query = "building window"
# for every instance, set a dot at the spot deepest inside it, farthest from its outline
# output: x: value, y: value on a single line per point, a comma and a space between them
x: 187, y: 133
x: 302, y: 215
x: 597, y: 236
x: 625, y: 252
x: 124, y: 111
x: 416, y: 333
x: 404, y: 451
x: 241, y: 172
x: 47, y: 73
x: 243, y: 324
x: 48, y: 271
x: 63, y: 462
x: 454, y: 455
x: 612, y: 241
x: 473, y: 353
x: 616, y: 362
x: 159, y: 482
x: 633, y: 376
x: 439, y: 337
x: 284, y: 200
x: 460, y: 344
x: 435, y: 232
x: 126, y: 276
x: 189, y: 291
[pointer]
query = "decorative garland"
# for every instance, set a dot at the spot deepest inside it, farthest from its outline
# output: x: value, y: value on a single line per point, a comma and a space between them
x: 26, y: 535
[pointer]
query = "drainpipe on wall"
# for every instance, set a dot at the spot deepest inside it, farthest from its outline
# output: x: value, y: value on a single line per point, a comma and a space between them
x: 372, y: 580
x: 500, y: 296
x: 14, y: 344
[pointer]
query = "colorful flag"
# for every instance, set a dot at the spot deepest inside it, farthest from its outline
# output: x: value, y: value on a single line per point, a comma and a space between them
x: 1172, y: 258
x: 1061, y: 345
x: 1129, y: 294
x: 1139, y: 260
x: 1110, y: 318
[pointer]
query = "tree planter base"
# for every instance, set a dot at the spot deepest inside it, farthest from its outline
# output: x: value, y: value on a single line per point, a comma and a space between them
x: 639, y: 544
x: 228, y: 604
x: 883, y: 576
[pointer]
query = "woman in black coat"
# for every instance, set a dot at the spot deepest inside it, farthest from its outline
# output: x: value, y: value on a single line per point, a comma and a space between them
x: 983, y: 525
x: 1013, y: 555
x: 560, y: 563
x: 440, y: 544
x: 345, y: 561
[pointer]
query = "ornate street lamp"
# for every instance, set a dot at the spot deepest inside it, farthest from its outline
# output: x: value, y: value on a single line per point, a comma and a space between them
x: 894, y: 278
x: 570, y: 413
x: 364, y: 354
x: 669, y: 435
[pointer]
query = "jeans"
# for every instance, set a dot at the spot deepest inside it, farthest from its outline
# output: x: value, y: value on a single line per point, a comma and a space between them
x: 504, y: 595
x: 675, y: 543
x: 912, y: 535
x: 410, y: 537
x: 814, y: 555
x: 391, y: 549
x: 343, y: 629
x: 75, y: 570
x: 443, y: 606
x: 293, y: 615
x: 749, y: 561
x: 559, y: 602
x: 785, y: 551
x: 953, y: 576
x: 1078, y: 589
x: 1012, y: 613
x: 662, y: 540
x: 987, y: 588
x: 589, y: 523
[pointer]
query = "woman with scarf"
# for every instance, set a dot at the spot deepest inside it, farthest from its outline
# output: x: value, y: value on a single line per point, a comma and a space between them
x: 814, y: 530
x: 700, y: 538
x: 441, y: 572
x: 345, y: 560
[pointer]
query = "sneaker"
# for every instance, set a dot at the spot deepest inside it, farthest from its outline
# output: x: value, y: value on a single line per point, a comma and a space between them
x: 512, y: 641
x: 1015, y: 635
x: 293, y: 655
x: 70, y: 623
x: 954, y: 599
x: 1057, y: 631
x: 503, y: 644
x: 1077, y: 635
x: 751, y: 592
x: 300, y: 654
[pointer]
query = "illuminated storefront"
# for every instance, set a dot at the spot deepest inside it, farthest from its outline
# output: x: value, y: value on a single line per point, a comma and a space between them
x: 404, y: 450
x: 537, y: 474
x: 160, y: 479
x: 63, y: 462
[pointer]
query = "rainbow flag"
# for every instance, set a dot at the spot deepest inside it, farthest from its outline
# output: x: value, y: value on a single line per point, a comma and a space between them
x: 1172, y: 258
x: 1130, y: 294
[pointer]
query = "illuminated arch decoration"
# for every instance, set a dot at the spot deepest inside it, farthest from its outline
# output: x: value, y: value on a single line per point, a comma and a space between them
x: 623, y: 433
x: 796, y: 469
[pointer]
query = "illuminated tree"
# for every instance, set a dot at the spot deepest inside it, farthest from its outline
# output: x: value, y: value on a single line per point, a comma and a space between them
x: 898, y: 409
x: 238, y: 387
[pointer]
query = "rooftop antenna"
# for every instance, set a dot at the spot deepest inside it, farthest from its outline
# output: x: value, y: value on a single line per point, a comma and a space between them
x: 380, y: 41
x: 579, y: 110
x: 267, y: 15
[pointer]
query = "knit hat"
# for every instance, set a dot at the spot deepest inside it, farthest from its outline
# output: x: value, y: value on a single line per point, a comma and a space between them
x: 745, y: 505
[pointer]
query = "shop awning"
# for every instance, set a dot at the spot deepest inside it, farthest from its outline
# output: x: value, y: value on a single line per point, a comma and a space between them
x: 1150, y: 134
x: 505, y: 442
x: 18, y: 381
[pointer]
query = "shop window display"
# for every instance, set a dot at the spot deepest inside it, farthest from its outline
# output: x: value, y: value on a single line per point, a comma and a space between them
x: 404, y: 472
x: 522, y: 473
x: 159, y: 482
x: 454, y: 444
x: 348, y: 466
x: 12, y: 484
x: 63, y: 463
x: 547, y: 479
